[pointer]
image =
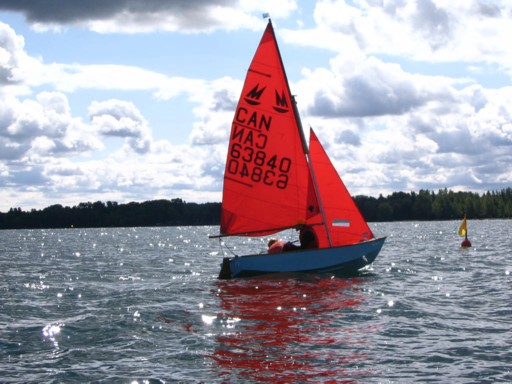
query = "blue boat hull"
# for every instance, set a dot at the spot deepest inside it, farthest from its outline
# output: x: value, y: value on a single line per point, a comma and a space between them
x: 344, y: 259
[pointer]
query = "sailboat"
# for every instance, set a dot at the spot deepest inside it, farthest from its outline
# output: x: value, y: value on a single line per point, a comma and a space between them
x: 274, y: 180
x: 463, y: 232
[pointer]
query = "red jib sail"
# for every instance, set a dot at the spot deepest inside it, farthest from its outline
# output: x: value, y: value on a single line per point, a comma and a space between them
x: 267, y: 185
x: 345, y: 223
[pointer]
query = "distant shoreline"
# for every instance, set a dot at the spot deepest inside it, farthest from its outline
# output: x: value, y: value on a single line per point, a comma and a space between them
x: 399, y: 206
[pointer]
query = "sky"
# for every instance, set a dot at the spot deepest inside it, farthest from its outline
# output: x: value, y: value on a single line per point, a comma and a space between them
x: 132, y: 100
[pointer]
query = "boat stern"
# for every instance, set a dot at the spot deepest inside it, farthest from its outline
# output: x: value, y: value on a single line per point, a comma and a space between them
x: 225, y: 269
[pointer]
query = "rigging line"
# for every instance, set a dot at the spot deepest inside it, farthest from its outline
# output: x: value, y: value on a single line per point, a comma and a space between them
x: 226, y: 247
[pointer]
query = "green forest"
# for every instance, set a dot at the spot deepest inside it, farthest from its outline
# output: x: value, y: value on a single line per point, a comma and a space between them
x: 399, y: 206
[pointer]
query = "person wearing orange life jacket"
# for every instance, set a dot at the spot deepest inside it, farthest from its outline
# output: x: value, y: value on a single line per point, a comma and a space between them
x: 275, y: 245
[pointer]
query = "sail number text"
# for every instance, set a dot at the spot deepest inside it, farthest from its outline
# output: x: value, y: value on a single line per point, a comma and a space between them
x: 258, y: 166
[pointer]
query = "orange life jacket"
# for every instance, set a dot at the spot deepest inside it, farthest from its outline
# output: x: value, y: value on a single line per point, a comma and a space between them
x: 276, y: 247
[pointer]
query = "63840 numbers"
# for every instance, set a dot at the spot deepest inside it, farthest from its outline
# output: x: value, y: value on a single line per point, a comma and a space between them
x: 258, y: 167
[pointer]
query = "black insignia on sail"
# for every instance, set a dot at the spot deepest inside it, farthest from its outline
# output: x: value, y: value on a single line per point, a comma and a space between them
x: 281, y: 103
x: 253, y: 97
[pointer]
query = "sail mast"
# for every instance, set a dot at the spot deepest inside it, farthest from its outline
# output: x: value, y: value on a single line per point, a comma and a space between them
x: 311, y: 170
x: 304, y: 142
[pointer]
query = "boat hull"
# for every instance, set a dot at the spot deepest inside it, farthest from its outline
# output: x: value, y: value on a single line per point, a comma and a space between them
x: 344, y: 259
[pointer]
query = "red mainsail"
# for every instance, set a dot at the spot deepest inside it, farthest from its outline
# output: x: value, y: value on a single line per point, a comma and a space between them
x: 345, y: 223
x: 267, y: 184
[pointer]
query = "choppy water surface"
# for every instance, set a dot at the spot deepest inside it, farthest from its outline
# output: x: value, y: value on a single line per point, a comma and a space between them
x: 143, y: 305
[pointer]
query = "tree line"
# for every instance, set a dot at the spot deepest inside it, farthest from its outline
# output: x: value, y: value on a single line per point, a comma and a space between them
x: 111, y: 214
x: 399, y: 206
x: 444, y: 205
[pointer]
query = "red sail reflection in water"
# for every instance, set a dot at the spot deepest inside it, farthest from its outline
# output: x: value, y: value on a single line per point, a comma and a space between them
x: 288, y: 330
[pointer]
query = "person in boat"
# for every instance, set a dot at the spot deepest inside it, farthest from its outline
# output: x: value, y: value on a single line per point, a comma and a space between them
x: 307, y: 238
x: 275, y: 245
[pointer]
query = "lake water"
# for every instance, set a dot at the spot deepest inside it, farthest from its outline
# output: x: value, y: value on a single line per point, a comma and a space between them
x: 143, y: 305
